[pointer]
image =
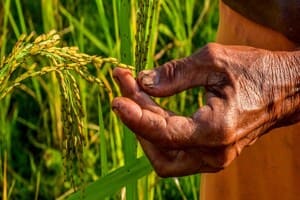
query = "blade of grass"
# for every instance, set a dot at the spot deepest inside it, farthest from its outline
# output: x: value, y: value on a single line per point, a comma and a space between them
x: 80, y: 36
x: 178, y: 185
x: 153, y: 35
x: 21, y: 16
x: 173, y: 13
x: 104, y: 23
x: 4, y: 191
x: 194, y: 185
x: 114, y: 181
x: 103, y: 148
x: 116, y: 27
x: 38, y: 182
x: 14, y: 25
x: 189, y: 5
x: 130, y: 147
x: 4, y: 28
x: 47, y: 8
x: 103, y: 151
x: 99, y: 44
x: 204, y: 11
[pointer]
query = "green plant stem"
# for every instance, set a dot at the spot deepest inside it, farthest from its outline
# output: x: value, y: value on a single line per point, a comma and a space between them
x: 21, y: 16
x: 98, y: 43
x: 103, y: 151
x: 104, y: 23
x: 4, y: 33
x: 130, y: 149
x: 116, y: 26
x: 14, y: 25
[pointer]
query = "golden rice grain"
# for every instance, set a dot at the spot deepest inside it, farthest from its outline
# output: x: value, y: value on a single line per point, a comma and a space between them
x: 65, y: 63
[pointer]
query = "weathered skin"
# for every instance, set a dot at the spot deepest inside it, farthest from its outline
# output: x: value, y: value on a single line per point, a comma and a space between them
x: 270, y: 168
x: 249, y: 92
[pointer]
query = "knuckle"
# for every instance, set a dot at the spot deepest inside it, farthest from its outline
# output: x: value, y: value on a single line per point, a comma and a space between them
x: 174, y: 69
x: 212, y: 52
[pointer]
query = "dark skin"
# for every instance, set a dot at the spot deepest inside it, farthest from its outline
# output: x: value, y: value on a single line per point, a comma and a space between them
x: 249, y: 92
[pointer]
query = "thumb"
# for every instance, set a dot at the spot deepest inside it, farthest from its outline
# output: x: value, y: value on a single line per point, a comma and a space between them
x: 177, y: 75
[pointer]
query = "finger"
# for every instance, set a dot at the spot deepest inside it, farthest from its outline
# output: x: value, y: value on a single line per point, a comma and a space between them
x: 130, y: 89
x: 147, y: 119
x: 200, y: 69
x: 162, y: 129
x: 125, y: 81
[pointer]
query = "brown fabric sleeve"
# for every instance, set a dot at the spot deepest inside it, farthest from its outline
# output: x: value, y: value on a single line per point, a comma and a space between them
x: 280, y: 15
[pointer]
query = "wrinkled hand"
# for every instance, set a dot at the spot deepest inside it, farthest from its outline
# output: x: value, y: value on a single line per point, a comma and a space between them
x: 248, y: 92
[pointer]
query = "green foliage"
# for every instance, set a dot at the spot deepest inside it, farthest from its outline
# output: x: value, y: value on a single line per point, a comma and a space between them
x: 33, y: 126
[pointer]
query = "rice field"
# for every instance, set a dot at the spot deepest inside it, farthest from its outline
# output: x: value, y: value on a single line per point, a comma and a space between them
x: 59, y: 138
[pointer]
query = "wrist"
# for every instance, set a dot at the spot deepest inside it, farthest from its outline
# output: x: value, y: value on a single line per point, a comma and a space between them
x: 286, y: 78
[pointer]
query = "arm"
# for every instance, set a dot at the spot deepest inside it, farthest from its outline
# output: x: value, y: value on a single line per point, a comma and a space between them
x: 248, y: 92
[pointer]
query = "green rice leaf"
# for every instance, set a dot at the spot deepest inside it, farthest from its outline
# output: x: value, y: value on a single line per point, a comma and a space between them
x: 85, y: 31
x: 114, y: 181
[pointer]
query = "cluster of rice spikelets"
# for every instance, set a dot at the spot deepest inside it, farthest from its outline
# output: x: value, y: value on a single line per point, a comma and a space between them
x: 19, y: 65
x: 144, y: 21
x: 61, y: 59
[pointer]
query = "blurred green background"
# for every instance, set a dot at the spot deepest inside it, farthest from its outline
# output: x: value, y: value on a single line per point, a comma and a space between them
x: 31, y: 159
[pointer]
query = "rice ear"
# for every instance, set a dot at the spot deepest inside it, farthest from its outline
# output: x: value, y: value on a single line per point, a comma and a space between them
x: 65, y: 63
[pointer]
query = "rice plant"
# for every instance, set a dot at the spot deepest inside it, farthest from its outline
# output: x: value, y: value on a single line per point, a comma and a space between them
x: 145, y: 14
x: 57, y: 100
x: 62, y: 61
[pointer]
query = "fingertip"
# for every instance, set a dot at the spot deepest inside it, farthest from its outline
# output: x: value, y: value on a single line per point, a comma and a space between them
x: 119, y: 72
x: 115, y: 105
x: 129, y: 112
x: 125, y: 81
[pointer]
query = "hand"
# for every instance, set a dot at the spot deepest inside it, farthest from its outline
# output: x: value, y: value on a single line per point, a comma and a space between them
x: 248, y: 92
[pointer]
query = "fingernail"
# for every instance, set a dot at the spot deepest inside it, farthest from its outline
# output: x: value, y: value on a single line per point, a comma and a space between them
x: 149, y: 78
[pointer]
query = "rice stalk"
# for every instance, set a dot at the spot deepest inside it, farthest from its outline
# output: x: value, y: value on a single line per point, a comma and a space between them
x: 146, y: 15
x: 144, y: 21
x: 72, y: 115
x: 126, y: 36
x: 61, y: 59
x: 3, y: 38
x: 4, y: 189
x: 64, y: 63
x: 21, y: 16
